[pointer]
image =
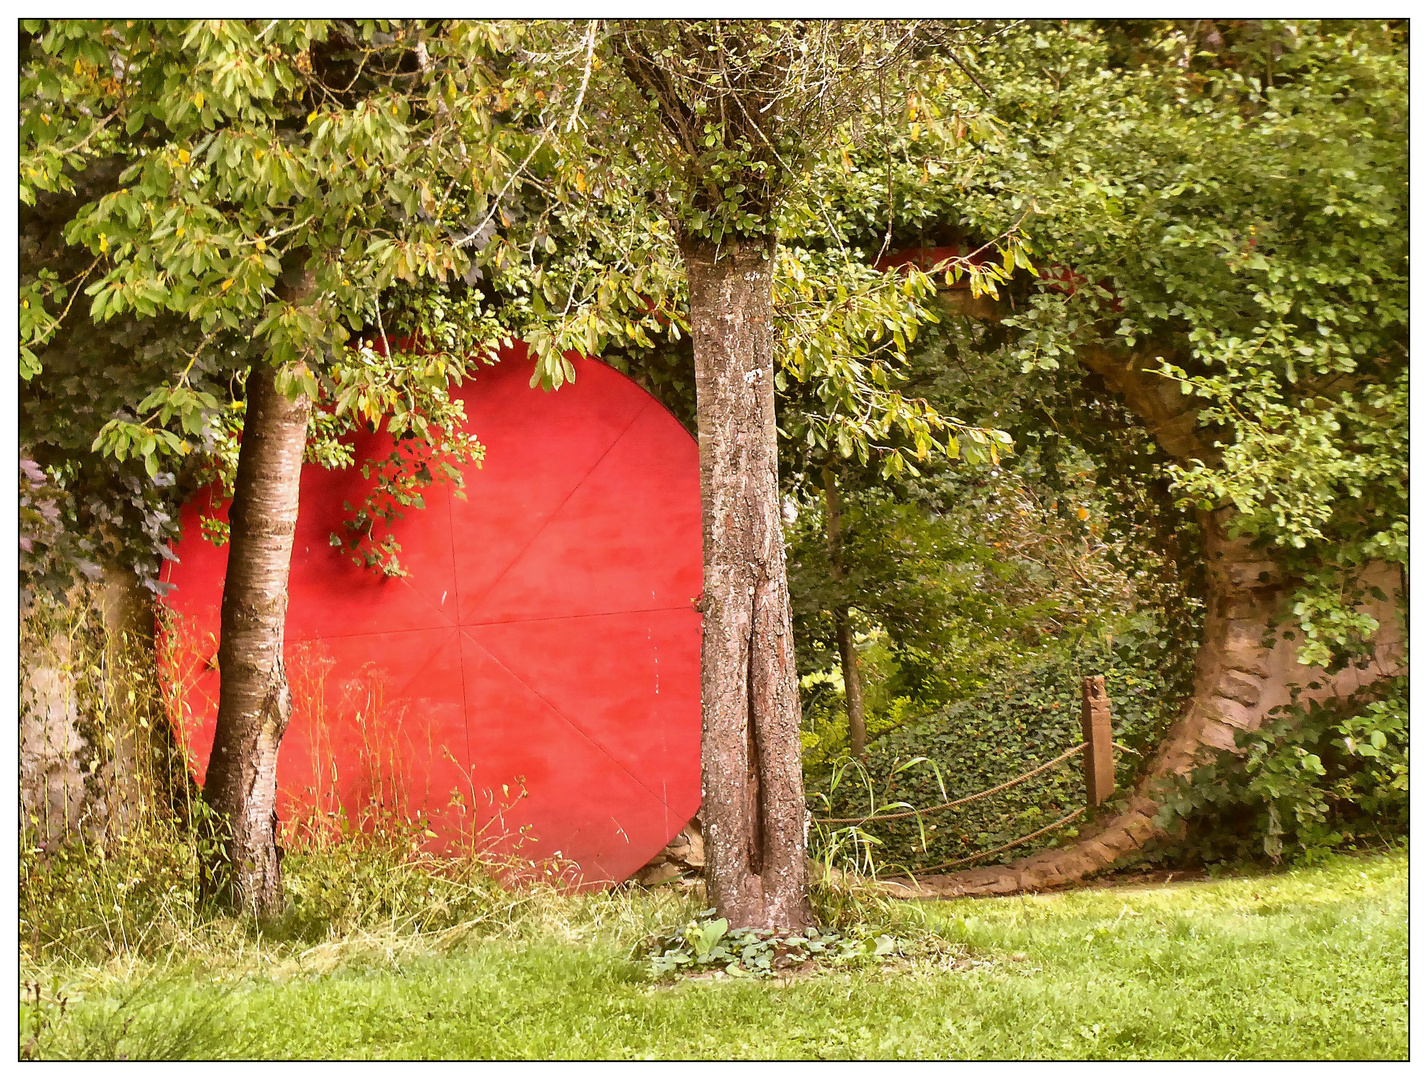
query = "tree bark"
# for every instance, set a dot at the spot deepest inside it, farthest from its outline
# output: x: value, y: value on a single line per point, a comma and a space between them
x: 852, y: 686
x: 847, y: 654
x: 1245, y: 666
x: 131, y: 675
x: 254, y: 703
x: 753, y: 812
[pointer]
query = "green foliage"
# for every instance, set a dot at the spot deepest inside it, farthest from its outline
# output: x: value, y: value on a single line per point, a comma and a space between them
x: 730, y: 114
x: 112, y: 838
x: 133, y: 891
x: 1023, y: 716
x: 1230, y: 196
x: 1233, y: 198
x: 256, y: 193
x: 715, y: 131
x: 122, y: 878
x: 203, y: 222
x: 844, y: 331
x: 133, y: 1027
x: 951, y: 577
x: 968, y: 571
x: 708, y: 946
x: 1309, y: 781
x: 50, y: 554
x: 338, y: 149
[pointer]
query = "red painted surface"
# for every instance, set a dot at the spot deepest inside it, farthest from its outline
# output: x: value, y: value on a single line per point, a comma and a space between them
x: 545, y: 636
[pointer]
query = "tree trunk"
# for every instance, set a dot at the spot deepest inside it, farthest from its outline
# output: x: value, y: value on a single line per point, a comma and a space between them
x: 254, y: 703
x: 149, y: 761
x: 91, y: 735
x: 852, y: 680
x: 852, y: 686
x: 753, y: 812
x: 131, y: 676
x: 1245, y: 667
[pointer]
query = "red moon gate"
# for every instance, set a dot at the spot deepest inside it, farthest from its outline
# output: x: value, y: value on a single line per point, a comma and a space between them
x: 545, y: 640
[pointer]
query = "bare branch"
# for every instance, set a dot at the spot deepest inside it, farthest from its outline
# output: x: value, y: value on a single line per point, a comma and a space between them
x: 585, y: 81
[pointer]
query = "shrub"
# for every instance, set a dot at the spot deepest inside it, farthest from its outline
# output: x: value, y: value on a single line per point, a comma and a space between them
x: 1312, y: 779
x: 1023, y: 717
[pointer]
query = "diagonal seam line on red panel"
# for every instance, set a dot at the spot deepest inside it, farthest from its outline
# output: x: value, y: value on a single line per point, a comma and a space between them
x: 576, y: 727
x: 588, y: 615
x: 556, y: 512
x: 399, y: 695
x: 430, y: 659
x: 434, y: 605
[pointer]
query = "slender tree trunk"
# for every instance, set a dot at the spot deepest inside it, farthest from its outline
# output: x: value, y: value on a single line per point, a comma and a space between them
x: 852, y: 679
x: 254, y: 703
x: 754, y: 814
x: 852, y: 686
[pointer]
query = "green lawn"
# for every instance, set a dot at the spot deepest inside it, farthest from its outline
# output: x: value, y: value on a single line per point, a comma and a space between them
x: 1312, y: 963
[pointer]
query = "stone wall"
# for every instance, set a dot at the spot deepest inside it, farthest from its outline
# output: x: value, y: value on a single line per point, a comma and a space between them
x: 682, y: 859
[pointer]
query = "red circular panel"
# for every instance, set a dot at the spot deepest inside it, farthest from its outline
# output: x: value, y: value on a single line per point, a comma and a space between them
x: 544, y: 639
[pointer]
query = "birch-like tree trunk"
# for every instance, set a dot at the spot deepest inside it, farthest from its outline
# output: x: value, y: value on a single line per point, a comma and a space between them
x: 254, y: 703
x: 754, y: 815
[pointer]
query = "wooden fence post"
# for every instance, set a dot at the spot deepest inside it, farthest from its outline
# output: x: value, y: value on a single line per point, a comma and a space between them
x: 1096, y: 732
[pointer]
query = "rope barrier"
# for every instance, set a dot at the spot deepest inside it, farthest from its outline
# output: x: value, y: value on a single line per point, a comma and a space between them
x: 998, y: 850
x: 956, y: 802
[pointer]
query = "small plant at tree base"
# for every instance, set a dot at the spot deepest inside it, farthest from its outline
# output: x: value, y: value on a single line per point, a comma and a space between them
x: 706, y: 945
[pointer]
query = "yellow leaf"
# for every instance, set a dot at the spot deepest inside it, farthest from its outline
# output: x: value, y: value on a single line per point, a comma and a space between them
x: 258, y: 243
x: 183, y: 154
x: 1082, y: 513
x: 198, y: 99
